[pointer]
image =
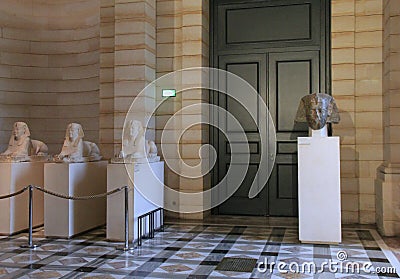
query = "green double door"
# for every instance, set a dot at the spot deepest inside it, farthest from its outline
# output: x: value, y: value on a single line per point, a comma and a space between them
x: 279, y: 47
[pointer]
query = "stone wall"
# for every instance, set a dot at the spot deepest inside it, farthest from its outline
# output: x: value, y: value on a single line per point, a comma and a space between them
x: 49, y: 67
x: 183, y: 42
x: 388, y: 178
x: 127, y: 62
x: 357, y: 87
x: 86, y: 60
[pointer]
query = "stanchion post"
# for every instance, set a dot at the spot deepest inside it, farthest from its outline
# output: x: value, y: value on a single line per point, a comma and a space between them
x: 162, y: 219
x: 30, y: 242
x: 153, y: 223
x: 150, y: 223
x: 139, y: 236
x: 126, y: 244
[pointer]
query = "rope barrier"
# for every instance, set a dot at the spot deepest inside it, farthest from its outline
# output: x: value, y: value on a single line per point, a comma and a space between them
x: 103, y: 195
x: 79, y: 198
x: 126, y: 246
x: 14, y: 194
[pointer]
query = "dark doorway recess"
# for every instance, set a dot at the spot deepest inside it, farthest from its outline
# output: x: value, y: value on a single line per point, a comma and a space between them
x: 281, y: 47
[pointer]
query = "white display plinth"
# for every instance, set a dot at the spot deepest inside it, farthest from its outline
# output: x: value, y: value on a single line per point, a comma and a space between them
x: 147, y: 177
x: 66, y: 218
x: 319, y: 189
x: 14, y: 211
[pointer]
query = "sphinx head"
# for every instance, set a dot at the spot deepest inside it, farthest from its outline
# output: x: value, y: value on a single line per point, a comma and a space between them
x: 20, y: 129
x: 135, y: 128
x: 74, y: 132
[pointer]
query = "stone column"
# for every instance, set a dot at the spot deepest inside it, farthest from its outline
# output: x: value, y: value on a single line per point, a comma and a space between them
x: 368, y: 102
x: 107, y: 48
x: 182, y: 42
x: 388, y: 176
x: 127, y: 58
x: 357, y: 87
x: 195, y: 53
x: 343, y: 88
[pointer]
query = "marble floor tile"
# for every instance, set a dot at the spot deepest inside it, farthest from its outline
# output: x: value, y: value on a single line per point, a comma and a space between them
x: 193, y: 250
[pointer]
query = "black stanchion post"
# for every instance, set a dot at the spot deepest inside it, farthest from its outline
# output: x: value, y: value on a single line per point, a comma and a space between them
x: 153, y: 217
x: 147, y: 231
x: 150, y: 223
x: 126, y: 245
x: 162, y: 219
x: 153, y: 225
x: 140, y: 232
x: 30, y: 242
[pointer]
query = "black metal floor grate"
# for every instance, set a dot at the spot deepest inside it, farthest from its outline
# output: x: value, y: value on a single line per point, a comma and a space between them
x: 237, y: 264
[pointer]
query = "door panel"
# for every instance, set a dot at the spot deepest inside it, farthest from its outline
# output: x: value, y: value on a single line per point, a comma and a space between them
x: 291, y: 22
x: 249, y: 71
x: 292, y: 75
x: 287, y: 177
x: 268, y: 23
x: 251, y: 68
x: 292, y: 83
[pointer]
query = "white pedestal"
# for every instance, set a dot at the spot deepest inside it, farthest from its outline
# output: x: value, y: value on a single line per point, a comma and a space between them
x: 14, y: 211
x: 148, y: 177
x: 319, y: 189
x: 66, y: 218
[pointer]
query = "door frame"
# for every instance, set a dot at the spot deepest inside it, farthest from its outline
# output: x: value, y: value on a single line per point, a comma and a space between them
x: 325, y: 65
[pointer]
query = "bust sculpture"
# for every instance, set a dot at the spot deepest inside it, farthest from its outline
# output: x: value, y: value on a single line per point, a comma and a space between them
x: 74, y: 149
x: 21, y: 147
x: 317, y: 109
x: 135, y: 148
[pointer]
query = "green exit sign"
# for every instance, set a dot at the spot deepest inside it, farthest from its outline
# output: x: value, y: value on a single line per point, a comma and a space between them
x: 169, y: 93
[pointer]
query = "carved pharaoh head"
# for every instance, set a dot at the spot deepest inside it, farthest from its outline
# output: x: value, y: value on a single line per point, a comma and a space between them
x: 317, y: 114
x: 317, y: 109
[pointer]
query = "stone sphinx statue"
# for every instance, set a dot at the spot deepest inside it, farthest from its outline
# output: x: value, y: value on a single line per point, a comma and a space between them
x: 135, y: 148
x: 317, y: 109
x: 75, y: 149
x: 22, y: 148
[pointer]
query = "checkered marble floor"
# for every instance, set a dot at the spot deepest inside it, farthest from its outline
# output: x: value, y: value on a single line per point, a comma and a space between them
x: 195, y: 251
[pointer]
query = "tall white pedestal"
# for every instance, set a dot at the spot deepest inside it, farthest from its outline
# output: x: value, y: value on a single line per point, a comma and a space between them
x: 66, y: 218
x: 14, y: 211
x: 147, y: 177
x: 319, y: 189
